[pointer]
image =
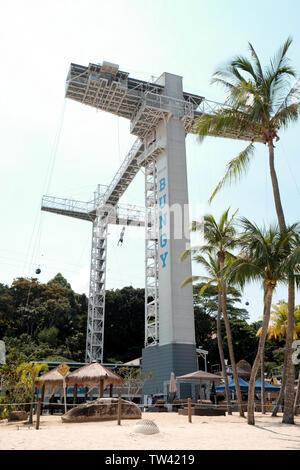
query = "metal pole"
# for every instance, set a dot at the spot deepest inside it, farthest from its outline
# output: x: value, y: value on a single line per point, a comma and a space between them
x: 119, y: 410
x: 38, y: 413
x: 190, y: 410
x: 65, y: 398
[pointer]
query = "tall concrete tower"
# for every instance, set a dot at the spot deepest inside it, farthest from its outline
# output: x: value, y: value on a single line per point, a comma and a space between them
x: 173, y: 347
x: 160, y: 114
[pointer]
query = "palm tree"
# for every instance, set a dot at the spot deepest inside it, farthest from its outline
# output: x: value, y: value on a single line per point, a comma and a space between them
x: 292, y: 266
x: 212, y: 266
x: 262, y: 257
x: 220, y: 237
x: 278, y: 328
x: 29, y: 377
x: 262, y: 101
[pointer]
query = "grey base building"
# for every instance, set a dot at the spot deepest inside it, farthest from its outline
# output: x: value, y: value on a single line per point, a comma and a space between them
x: 160, y: 361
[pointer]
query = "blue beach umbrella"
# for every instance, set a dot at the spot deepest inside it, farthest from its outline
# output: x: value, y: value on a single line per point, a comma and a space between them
x: 244, y: 386
x: 268, y: 387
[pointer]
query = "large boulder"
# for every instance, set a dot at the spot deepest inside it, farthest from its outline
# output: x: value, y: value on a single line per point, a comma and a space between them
x: 17, y: 416
x: 100, y: 410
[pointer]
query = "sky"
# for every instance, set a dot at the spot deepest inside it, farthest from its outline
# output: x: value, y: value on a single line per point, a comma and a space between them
x: 51, y: 145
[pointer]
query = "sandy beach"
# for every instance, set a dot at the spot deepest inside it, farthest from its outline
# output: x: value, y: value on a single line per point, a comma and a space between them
x: 204, y: 433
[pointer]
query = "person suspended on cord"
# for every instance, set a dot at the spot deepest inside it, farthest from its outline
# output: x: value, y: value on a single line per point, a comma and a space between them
x: 121, y: 236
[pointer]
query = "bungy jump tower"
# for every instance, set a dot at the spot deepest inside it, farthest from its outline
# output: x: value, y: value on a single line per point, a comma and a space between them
x: 160, y: 114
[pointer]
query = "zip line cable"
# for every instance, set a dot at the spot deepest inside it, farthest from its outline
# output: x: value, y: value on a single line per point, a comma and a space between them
x: 55, y: 147
x: 37, y: 228
x: 118, y: 135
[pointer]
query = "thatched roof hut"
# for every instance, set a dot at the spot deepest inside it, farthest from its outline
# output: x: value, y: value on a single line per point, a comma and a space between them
x: 243, y: 368
x: 51, y: 379
x: 93, y: 375
x: 200, y: 375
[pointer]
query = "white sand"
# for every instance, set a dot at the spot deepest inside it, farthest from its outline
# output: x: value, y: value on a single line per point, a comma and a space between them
x: 209, y: 433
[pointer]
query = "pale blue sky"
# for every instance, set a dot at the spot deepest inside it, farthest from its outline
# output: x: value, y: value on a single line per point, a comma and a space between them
x: 39, y: 39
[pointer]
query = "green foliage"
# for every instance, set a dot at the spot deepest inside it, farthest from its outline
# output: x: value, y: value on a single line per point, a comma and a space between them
x: 243, y: 335
x: 49, y: 335
x: 60, y: 280
x: 43, y: 320
x: 134, y: 379
x: 10, y: 377
x: 47, y: 322
x: 124, y: 324
x: 59, y: 329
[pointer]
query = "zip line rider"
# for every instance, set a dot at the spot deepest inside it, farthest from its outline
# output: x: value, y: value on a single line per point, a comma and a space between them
x: 121, y: 236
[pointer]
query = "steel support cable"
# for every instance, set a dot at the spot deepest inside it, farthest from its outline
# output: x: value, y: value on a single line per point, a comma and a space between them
x: 45, y: 188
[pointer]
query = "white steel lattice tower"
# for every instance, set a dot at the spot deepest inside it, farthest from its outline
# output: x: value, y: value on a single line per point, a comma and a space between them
x: 100, y: 215
x: 96, y: 307
x: 151, y: 256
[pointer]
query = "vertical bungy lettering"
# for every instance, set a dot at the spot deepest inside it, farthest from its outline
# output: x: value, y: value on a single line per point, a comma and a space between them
x: 163, y: 239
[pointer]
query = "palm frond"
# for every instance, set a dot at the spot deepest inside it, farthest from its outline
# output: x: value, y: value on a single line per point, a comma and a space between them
x: 190, y: 279
x: 190, y: 251
x: 244, y: 64
x: 291, y: 97
x: 205, y: 287
x: 280, y: 62
x: 258, y: 68
x: 196, y: 226
x: 235, y: 168
x: 286, y: 116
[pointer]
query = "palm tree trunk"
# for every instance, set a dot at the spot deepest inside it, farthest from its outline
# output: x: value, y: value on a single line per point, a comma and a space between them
x: 31, y: 405
x: 297, y: 397
x: 261, y: 343
x: 221, y: 353
x: 288, y: 413
x: 231, y: 353
x: 282, y: 388
x: 275, y: 186
x: 282, y: 225
x: 262, y: 374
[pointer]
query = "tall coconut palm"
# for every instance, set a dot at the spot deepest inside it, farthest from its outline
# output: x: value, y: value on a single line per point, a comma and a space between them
x: 278, y: 328
x: 262, y: 101
x: 292, y: 266
x: 220, y: 238
x: 212, y: 267
x: 262, y: 257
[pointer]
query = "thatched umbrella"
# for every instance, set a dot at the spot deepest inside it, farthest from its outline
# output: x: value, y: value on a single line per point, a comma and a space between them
x: 243, y: 368
x: 200, y: 375
x: 51, y: 380
x: 93, y: 374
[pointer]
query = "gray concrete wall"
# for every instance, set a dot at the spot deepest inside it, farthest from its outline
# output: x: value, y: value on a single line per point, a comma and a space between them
x: 162, y: 360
